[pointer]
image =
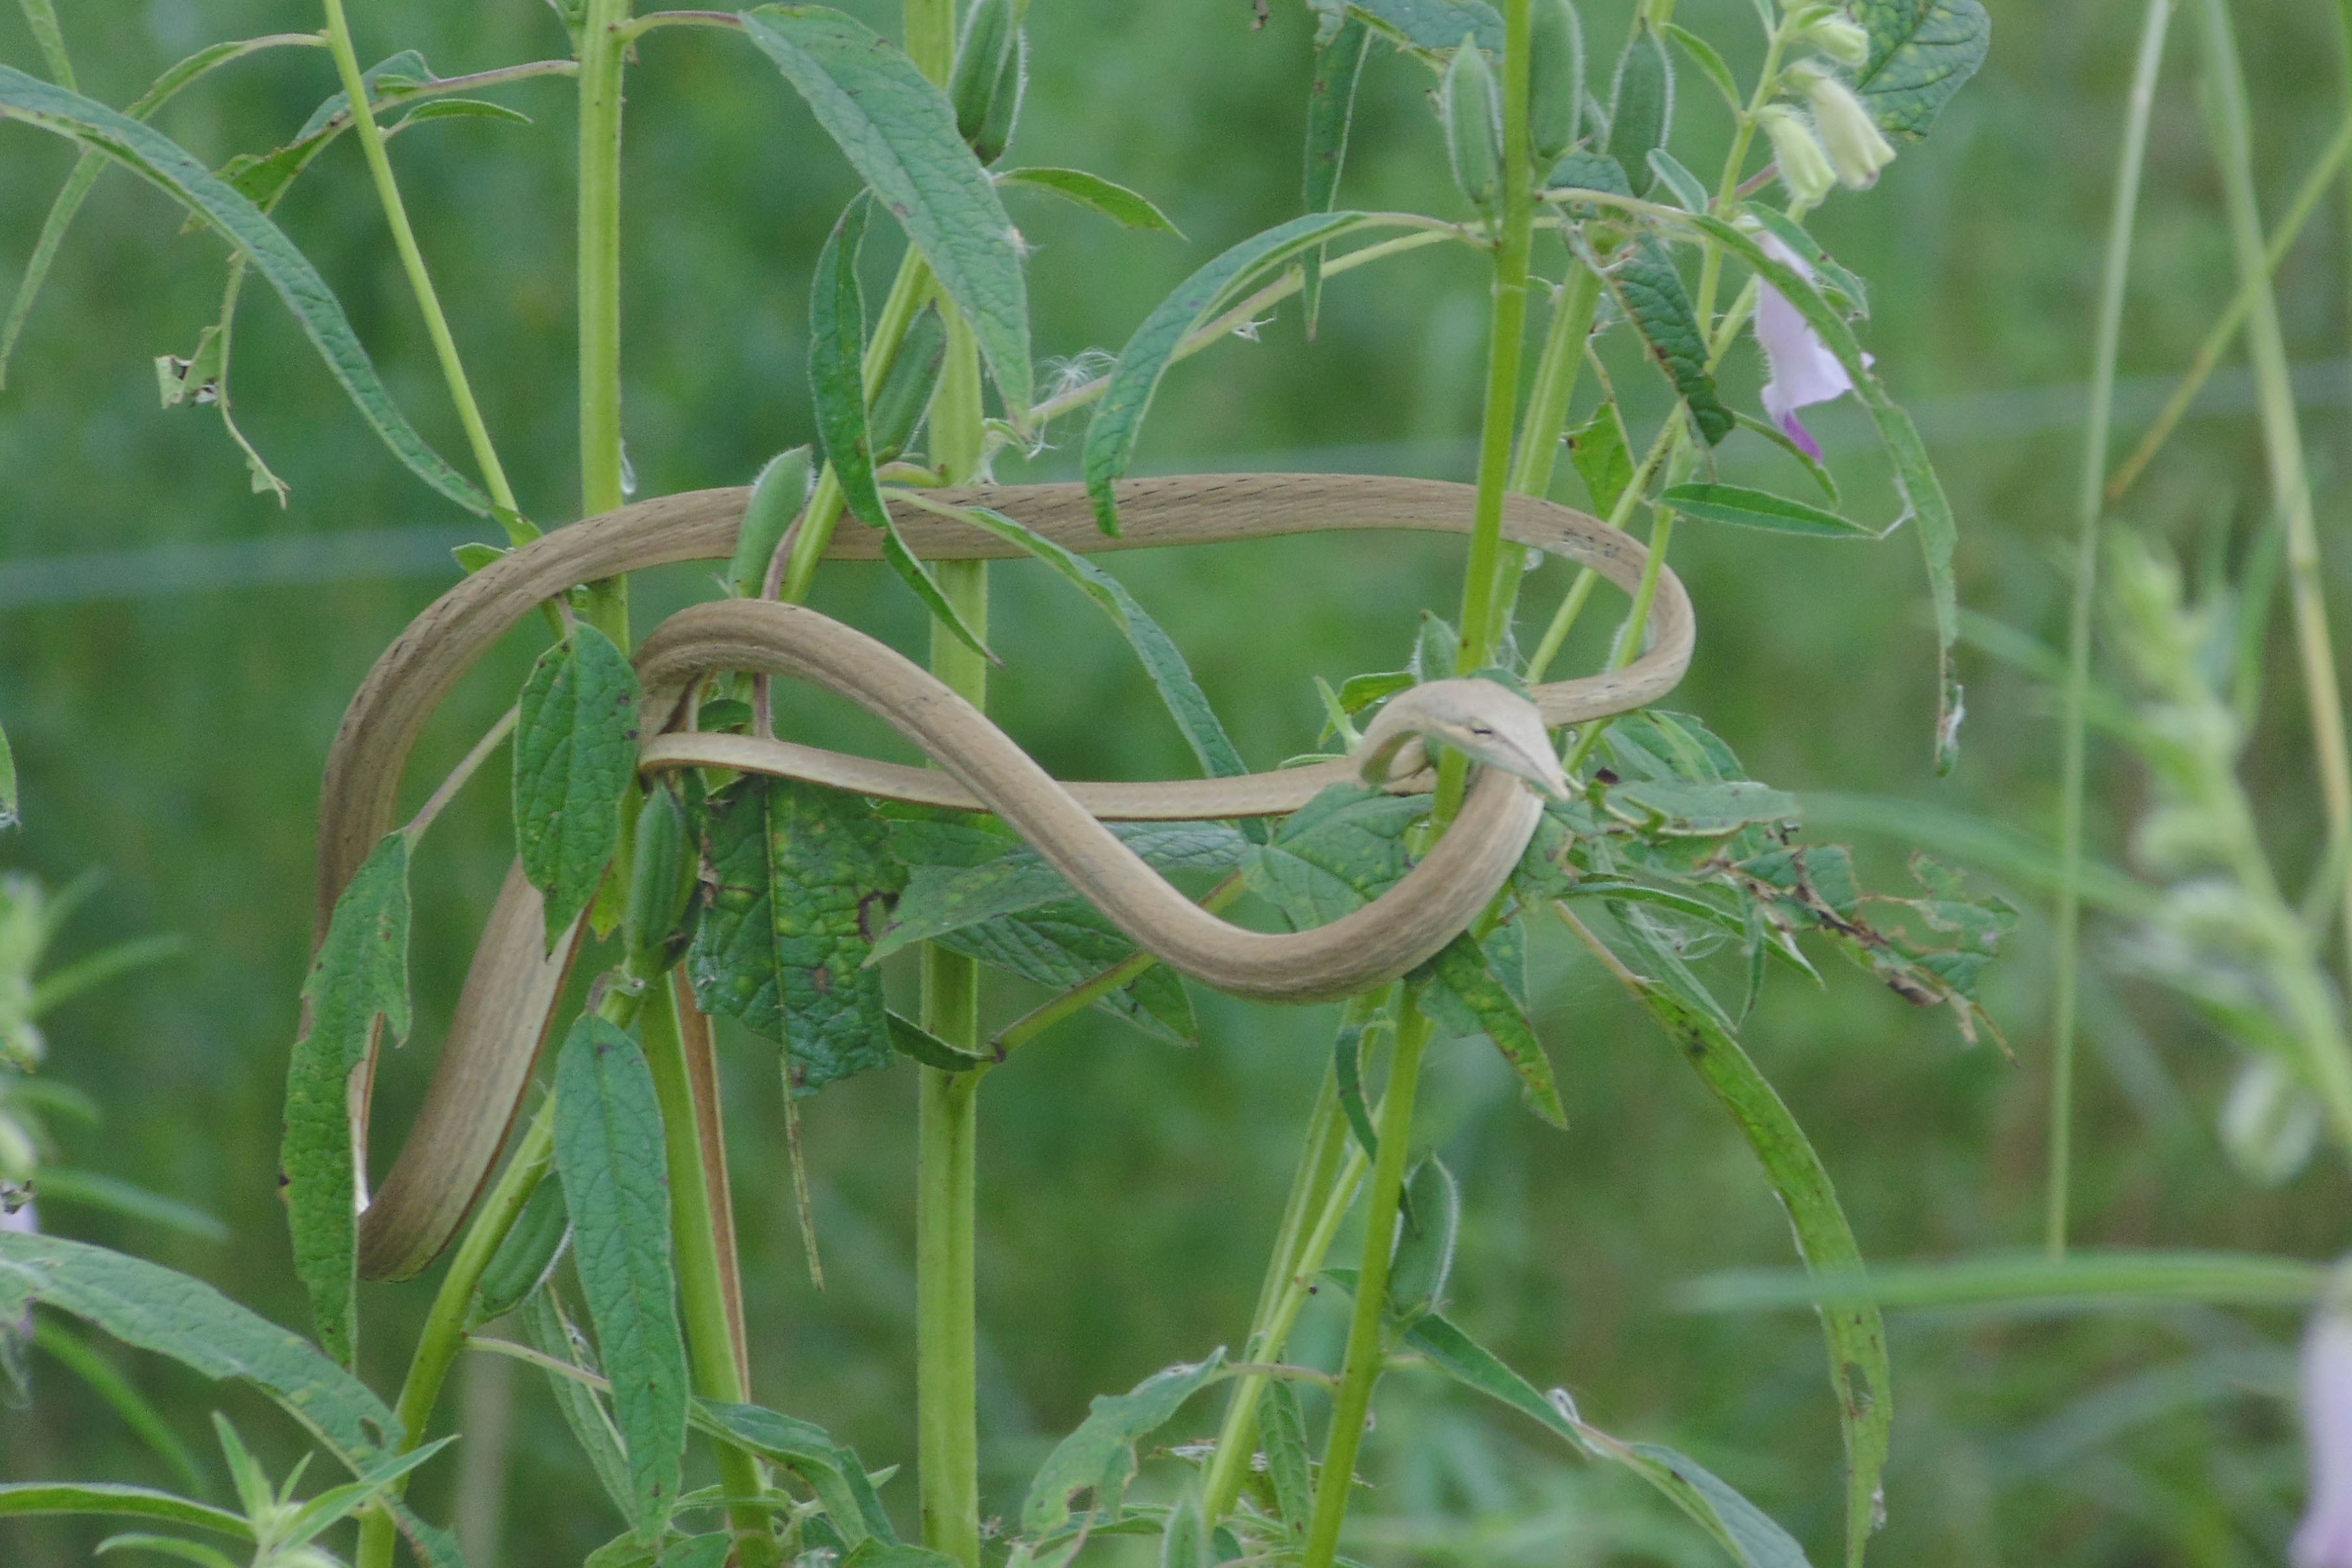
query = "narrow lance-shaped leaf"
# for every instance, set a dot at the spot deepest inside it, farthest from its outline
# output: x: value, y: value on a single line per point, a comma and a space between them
x: 8, y: 814
x: 609, y: 1155
x: 358, y: 978
x: 832, y: 1471
x: 1330, y: 110
x: 1743, y: 507
x: 1859, y: 1371
x: 836, y: 366
x: 1921, y: 52
x: 1100, y: 1457
x: 1469, y: 998
x: 1128, y: 209
x: 898, y: 131
x: 1649, y: 287
x: 575, y: 750
x: 155, y: 157
x: 1118, y: 417
x: 1922, y: 491
x: 32, y: 1498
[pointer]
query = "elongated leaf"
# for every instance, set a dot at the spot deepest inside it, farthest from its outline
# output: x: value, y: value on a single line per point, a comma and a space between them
x: 1062, y: 946
x: 836, y: 366
x: 1995, y: 846
x: 1330, y: 113
x: 575, y: 750
x: 2094, y: 1280
x: 1118, y: 417
x: 1710, y: 64
x: 1688, y: 191
x: 194, y: 1552
x: 1745, y: 508
x: 1678, y: 808
x: 608, y: 1153
x: 942, y: 898
x: 1650, y: 289
x: 156, y: 158
x: 95, y: 1189
x: 138, y: 1413
x: 1127, y: 209
x: 1336, y: 854
x: 898, y: 133
x: 103, y: 1500
x: 805, y: 880
x: 918, y: 576
x: 1921, y: 52
x: 874, y: 1554
x: 1914, y: 476
x: 1171, y: 677
x: 1469, y: 998
x: 41, y: 18
x: 1603, y: 457
x: 914, y: 1042
x: 1428, y: 28
x: 1857, y: 1337
x: 358, y: 981
x: 832, y: 1471
x: 1100, y: 1457
x: 8, y: 813
x: 583, y: 1412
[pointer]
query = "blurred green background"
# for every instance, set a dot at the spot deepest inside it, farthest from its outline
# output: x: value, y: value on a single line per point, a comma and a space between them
x: 174, y: 653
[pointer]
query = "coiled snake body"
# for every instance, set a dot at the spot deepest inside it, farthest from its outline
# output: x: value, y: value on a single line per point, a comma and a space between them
x: 510, y: 991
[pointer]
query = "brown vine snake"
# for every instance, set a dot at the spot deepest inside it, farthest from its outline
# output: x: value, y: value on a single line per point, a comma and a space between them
x: 510, y: 991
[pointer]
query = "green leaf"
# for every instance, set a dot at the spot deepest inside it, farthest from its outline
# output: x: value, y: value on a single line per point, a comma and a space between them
x: 202, y: 1556
x: 1685, y: 187
x: 1814, y: 468
x: 1746, y: 508
x: 28, y: 1497
x: 41, y: 17
x: 1582, y: 170
x: 1118, y: 417
x: 575, y: 758
x: 609, y: 1155
x: 1921, y: 52
x: 942, y: 898
x: 94, y: 1189
x: 1282, y: 1425
x: 1469, y: 998
x: 1914, y: 476
x: 1681, y: 809
x: 1127, y: 209
x: 898, y: 133
x: 1062, y: 946
x: 1856, y: 1336
x: 1423, y: 1261
x: 805, y: 880
x: 1161, y: 659
x: 556, y: 1336
x: 832, y: 1471
x: 1710, y: 64
x: 1348, y: 1073
x: 528, y: 1255
x: 698, y: 1551
x: 459, y: 109
x: 1330, y: 113
x: 836, y: 366
x: 154, y: 1308
x: 1100, y: 1457
x: 2097, y: 1280
x: 1430, y: 28
x: 358, y: 980
x: 1184, y: 1540
x: 875, y: 1553
x: 156, y: 158
x: 8, y: 814
x: 1649, y: 290
x: 1642, y: 104
x: 911, y: 1040
x: 918, y: 576
x: 1336, y: 854
x: 1995, y: 846
x: 1603, y: 457
x: 1839, y: 286
x: 138, y: 1413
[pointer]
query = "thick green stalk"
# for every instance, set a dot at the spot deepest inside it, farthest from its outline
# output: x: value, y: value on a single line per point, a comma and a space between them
x: 420, y: 281
x: 1367, y: 1336
x: 445, y: 1323
x: 2088, y: 507
x: 2283, y: 437
x: 602, y: 53
x: 701, y: 1284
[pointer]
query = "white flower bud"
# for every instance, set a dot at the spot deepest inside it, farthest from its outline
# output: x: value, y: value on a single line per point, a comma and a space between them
x: 1841, y: 41
x: 2270, y: 1123
x: 1804, y: 167
x: 1857, y: 148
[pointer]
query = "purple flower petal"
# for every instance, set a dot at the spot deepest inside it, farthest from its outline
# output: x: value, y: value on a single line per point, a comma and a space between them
x: 1794, y: 429
x: 2325, y: 1541
x: 1805, y: 372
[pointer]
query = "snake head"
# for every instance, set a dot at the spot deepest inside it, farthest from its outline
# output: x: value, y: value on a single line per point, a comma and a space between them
x: 1486, y: 723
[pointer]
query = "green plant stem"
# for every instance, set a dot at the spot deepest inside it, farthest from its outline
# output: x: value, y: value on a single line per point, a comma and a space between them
x: 1558, y: 370
x: 445, y: 1322
x: 701, y: 1284
x: 420, y: 281
x: 1572, y: 603
x: 1367, y: 1348
x: 2282, y: 438
x: 602, y: 53
x: 2224, y: 330
x: 2114, y: 276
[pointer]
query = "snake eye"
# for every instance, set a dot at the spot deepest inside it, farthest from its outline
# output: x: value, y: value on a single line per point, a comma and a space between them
x: 1482, y: 731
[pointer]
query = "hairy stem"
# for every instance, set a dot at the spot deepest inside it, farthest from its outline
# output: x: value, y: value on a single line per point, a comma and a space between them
x: 602, y: 53
x: 1558, y: 371
x: 420, y: 281
x: 2088, y: 502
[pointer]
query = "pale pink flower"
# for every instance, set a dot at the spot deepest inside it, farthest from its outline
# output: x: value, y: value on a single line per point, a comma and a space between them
x: 1805, y: 372
x: 2325, y: 1539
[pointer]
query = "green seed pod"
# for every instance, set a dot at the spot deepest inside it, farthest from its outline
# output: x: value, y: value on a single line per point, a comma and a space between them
x: 661, y: 883
x: 1555, y: 80
x: 527, y: 1255
x: 1424, y: 1249
x: 1004, y: 107
x: 1642, y: 107
x: 1473, y: 125
x: 777, y: 497
x: 980, y: 66
x: 906, y: 393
